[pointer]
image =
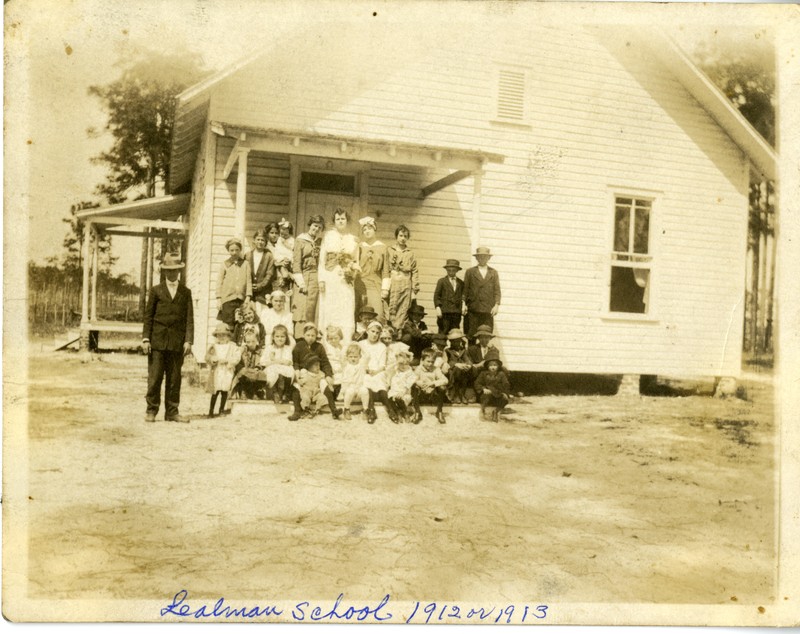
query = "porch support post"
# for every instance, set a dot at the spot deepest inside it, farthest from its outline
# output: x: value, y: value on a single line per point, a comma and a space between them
x: 87, y: 233
x: 150, y: 247
x: 94, y: 276
x: 241, y: 193
x: 475, y: 233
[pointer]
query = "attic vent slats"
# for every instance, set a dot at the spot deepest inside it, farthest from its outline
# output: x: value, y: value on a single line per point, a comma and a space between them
x: 511, y: 94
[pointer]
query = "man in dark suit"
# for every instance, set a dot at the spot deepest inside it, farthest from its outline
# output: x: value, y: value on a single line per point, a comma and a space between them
x: 448, y: 298
x: 481, y: 293
x: 262, y: 264
x: 166, y: 338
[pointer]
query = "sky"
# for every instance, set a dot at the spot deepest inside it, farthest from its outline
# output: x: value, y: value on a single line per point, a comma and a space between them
x: 65, y: 46
x: 73, y: 45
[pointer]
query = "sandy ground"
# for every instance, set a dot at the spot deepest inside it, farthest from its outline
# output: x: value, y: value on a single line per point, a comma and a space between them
x: 568, y: 498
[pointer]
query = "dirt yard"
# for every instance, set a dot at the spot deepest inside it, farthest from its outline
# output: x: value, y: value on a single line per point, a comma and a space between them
x: 568, y: 498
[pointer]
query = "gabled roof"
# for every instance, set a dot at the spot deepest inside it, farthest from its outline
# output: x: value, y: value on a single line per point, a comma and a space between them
x: 763, y: 157
x: 192, y: 109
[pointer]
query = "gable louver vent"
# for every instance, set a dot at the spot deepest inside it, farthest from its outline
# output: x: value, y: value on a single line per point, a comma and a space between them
x: 511, y: 94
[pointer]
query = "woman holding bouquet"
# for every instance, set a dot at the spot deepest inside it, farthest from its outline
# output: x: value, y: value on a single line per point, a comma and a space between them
x: 338, y: 269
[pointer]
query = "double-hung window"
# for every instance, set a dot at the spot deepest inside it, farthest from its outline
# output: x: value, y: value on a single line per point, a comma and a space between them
x: 631, y: 256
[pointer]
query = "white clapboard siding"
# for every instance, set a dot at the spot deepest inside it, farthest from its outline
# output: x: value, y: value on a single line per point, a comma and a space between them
x: 198, y: 265
x: 597, y: 120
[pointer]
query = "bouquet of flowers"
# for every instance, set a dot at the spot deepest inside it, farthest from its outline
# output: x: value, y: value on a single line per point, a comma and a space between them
x: 349, y: 266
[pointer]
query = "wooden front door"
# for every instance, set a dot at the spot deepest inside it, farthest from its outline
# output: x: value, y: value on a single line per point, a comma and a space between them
x: 324, y: 204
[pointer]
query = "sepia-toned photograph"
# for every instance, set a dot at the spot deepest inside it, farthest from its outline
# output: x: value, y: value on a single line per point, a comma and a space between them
x: 423, y: 313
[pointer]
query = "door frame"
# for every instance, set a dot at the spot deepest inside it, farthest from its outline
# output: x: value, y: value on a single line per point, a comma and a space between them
x: 359, y: 169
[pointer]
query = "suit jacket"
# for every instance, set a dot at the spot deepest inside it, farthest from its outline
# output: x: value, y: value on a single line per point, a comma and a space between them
x: 168, y: 322
x: 474, y: 353
x: 446, y: 298
x: 481, y: 294
x: 263, y: 277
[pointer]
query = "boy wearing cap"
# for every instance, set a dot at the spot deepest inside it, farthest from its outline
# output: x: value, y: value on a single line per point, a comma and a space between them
x: 305, y: 267
x: 481, y: 293
x: 166, y: 338
x: 308, y: 346
x: 492, y: 386
x: 262, y: 266
x: 448, y: 298
x: 235, y: 283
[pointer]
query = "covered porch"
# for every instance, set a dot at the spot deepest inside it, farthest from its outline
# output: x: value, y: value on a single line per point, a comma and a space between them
x: 257, y: 176
x: 325, y: 164
x: 150, y: 219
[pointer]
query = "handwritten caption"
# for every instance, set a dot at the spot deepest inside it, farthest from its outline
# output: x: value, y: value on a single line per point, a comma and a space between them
x: 432, y: 612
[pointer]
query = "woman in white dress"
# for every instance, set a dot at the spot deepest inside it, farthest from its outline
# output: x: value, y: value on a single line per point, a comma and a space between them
x: 338, y: 268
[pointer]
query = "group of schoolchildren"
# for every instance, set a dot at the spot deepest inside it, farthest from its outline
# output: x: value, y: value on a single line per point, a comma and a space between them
x: 264, y: 350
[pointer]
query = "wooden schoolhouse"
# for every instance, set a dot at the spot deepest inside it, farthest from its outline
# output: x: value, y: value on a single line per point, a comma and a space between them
x: 605, y: 172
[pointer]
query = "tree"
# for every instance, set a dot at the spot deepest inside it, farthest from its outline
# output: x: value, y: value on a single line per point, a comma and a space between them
x: 141, y: 112
x: 742, y: 65
x: 72, y: 257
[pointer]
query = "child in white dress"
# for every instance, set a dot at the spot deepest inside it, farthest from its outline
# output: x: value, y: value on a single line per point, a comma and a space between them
x: 374, y: 353
x: 278, y: 365
x: 353, y: 381
x: 402, y: 382
x: 222, y: 358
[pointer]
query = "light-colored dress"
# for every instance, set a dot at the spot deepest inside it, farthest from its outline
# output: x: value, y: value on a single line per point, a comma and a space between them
x: 401, y: 385
x: 222, y: 359
x: 374, y: 359
x: 374, y: 277
x: 337, y: 305
x: 353, y: 384
x: 277, y: 362
x: 336, y: 359
x: 271, y: 318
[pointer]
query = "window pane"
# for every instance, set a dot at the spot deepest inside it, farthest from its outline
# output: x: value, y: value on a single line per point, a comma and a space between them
x: 641, y: 230
x: 319, y: 181
x: 628, y: 290
x: 621, y: 228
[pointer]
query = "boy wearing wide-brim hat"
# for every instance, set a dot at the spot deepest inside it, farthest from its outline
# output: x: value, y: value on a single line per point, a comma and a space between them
x: 366, y: 316
x: 448, y: 298
x: 478, y: 351
x: 492, y: 386
x: 460, y: 366
x: 167, y: 337
x: 413, y: 331
x: 481, y: 293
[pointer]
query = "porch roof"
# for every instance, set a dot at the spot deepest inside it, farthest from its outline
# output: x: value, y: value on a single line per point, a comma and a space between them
x: 362, y: 148
x: 161, y: 211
